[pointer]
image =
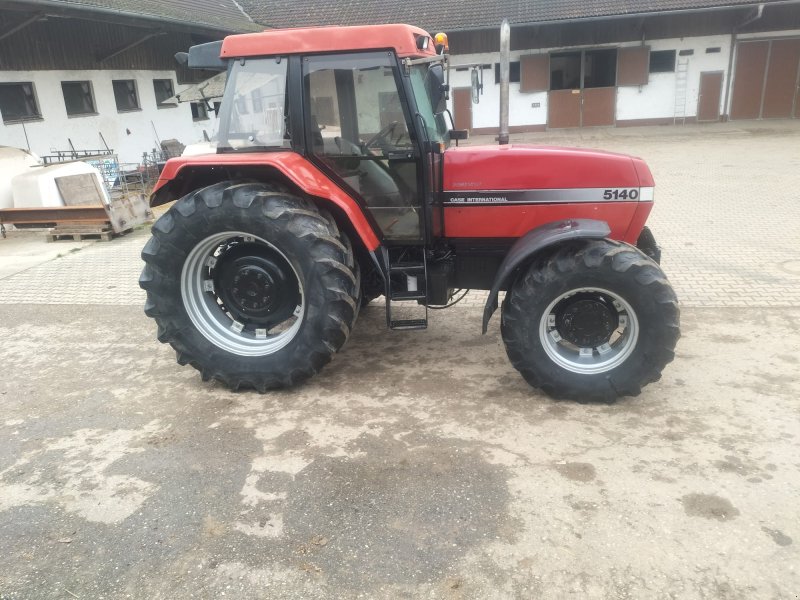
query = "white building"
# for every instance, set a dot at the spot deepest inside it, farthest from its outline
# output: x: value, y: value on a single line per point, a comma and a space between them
x: 583, y: 63
x: 94, y: 74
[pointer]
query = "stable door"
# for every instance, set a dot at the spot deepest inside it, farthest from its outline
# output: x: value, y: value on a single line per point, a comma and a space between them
x: 583, y: 89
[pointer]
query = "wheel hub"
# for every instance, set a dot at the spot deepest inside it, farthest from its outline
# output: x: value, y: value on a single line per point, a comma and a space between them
x: 586, y: 320
x: 256, y: 285
x: 589, y: 330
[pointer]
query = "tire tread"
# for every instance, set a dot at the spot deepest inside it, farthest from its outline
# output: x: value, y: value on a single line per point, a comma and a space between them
x: 593, y: 256
x: 327, y: 246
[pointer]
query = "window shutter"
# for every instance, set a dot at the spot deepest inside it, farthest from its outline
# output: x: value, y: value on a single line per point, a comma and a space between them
x: 534, y: 73
x: 633, y: 65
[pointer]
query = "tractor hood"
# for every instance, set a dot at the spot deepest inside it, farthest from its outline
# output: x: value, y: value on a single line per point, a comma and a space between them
x: 526, y: 167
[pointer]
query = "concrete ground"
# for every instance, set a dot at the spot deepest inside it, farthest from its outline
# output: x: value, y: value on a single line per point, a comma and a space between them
x: 419, y: 464
x: 21, y: 250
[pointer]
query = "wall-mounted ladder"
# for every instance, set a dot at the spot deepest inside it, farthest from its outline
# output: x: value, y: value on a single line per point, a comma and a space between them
x: 681, y: 90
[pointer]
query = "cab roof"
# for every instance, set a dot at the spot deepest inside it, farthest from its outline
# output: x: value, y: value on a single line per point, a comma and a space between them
x: 310, y: 40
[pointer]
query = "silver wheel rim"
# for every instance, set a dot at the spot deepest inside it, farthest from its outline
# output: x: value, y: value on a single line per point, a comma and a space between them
x: 600, y: 358
x: 211, y: 319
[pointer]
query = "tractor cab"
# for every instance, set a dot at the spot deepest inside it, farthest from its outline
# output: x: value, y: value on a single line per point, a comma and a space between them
x: 369, y: 119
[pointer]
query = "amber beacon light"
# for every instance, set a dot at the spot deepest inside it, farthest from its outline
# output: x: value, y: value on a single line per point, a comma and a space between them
x: 440, y: 40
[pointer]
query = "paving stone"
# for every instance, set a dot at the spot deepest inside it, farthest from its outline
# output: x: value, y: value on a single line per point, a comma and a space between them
x: 726, y: 215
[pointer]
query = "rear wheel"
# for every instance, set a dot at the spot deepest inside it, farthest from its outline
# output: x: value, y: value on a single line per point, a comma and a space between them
x: 250, y: 285
x: 593, y: 321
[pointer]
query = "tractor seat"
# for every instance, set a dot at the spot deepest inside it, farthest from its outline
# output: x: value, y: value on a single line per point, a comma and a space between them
x: 372, y: 180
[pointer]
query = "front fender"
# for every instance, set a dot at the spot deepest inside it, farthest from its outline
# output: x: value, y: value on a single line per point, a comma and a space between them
x: 534, y: 241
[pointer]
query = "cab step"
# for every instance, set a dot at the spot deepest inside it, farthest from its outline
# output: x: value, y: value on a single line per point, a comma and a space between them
x: 406, y: 282
x: 407, y: 268
x: 409, y: 324
x: 408, y: 296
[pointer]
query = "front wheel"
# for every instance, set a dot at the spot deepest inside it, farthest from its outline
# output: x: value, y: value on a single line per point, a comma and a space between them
x: 250, y: 285
x: 595, y: 320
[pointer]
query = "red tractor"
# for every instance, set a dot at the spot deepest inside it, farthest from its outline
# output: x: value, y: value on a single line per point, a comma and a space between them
x: 335, y: 182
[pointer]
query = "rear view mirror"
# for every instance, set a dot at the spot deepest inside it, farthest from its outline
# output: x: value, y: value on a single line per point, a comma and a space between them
x: 206, y: 56
x: 437, y: 88
x: 477, y: 84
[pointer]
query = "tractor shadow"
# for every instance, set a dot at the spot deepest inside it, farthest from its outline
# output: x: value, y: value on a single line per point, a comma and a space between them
x: 449, y: 361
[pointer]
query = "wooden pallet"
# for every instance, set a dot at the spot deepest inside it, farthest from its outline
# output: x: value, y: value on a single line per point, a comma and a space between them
x: 104, y: 235
x: 80, y: 234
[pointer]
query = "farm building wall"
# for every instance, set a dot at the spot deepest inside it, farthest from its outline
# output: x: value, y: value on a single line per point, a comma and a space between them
x: 659, y: 101
x: 48, y: 52
x: 129, y: 133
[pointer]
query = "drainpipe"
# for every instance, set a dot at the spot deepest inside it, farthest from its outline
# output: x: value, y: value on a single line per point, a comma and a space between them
x: 505, y: 67
x: 734, y: 33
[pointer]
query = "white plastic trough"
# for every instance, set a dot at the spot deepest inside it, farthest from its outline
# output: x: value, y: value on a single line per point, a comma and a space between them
x: 13, y: 161
x: 37, y: 187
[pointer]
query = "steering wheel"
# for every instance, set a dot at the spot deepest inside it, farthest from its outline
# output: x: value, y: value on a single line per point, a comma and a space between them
x: 379, y: 138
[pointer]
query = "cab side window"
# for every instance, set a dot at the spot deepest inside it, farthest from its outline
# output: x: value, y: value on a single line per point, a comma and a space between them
x: 359, y: 130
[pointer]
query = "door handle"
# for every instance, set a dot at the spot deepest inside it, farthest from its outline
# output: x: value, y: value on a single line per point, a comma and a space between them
x: 399, y: 155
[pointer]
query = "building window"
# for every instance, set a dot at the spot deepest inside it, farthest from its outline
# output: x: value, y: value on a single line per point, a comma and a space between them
x: 662, y: 61
x: 125, y: 94
x: 164, y: 91
x: 513, y: 72
x: 600, y: 68
x: 18, y: 102
x: 199, y: 111
x: 78, y: 97
x: 583, y: 69
x: 565, y: 71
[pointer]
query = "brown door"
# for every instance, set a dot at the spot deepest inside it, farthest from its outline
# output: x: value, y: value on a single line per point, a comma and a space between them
x: 462, y: 105
x: 748, y: 84
x: 710, y: 96
x: 564, y: 109
x: 781, y: 86
x: 599, y: 106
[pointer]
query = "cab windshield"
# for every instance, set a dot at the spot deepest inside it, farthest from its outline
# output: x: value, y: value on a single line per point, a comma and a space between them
x: 253, y: 114
x: 435, y: 124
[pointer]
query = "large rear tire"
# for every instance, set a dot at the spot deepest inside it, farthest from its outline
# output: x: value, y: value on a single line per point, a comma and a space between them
x: 251, y: 286
x: 593, y: 321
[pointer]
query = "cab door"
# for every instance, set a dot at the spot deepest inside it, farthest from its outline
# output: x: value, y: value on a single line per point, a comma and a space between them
x: 358, y: 132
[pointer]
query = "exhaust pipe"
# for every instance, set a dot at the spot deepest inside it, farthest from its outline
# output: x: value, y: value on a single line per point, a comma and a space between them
x: 505, y: 75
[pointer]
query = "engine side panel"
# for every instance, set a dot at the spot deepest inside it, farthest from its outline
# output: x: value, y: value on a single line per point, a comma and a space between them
x: 507, y: 191
x: 515, y: 220
x: 521, y: 167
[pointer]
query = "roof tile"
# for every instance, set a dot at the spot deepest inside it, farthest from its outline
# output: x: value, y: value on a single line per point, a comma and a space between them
x: 220, y: 15
x: 454, y: 15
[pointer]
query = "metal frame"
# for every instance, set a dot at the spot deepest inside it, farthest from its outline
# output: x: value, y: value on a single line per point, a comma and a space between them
x: 22, y: 25
x: 46, y: 215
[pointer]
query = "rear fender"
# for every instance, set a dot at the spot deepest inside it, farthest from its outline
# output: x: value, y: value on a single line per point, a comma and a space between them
x: 533, y: 242
x: 187, y: 173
